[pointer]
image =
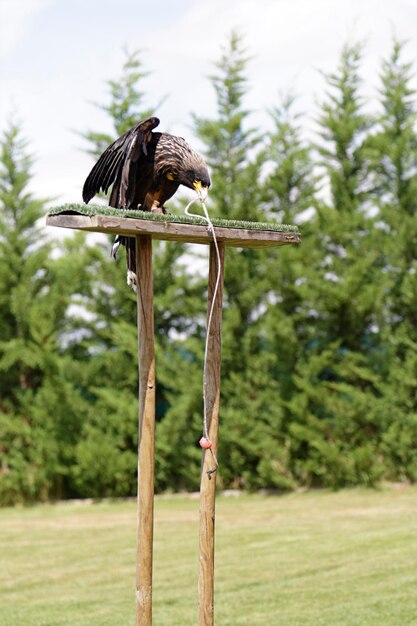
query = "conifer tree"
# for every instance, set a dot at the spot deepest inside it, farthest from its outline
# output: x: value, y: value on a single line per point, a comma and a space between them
x: 290, y: 185
x: 286, y: 327
x: 346, y: 270
x: 38, y: 402
x: 394, y: 159
x: 228, y: 140
x: 289, y: 196
x: 394, y: 152
x: 334, y: 429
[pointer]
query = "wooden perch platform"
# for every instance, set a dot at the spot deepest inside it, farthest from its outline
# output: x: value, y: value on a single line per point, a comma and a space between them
x: 144, y: 227
x: 172, y: 227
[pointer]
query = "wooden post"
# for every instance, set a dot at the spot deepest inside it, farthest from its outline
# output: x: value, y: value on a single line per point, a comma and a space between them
x: 208, y: 481
x: 146, y: 448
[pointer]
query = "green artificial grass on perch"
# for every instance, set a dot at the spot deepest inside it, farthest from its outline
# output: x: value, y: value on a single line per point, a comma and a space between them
x: 95, y: 209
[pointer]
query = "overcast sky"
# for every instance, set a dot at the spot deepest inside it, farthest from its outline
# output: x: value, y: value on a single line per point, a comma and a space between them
x: 55, y: 56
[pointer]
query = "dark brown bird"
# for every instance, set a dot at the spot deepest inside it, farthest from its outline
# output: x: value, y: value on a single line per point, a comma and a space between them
x: 145, y: 169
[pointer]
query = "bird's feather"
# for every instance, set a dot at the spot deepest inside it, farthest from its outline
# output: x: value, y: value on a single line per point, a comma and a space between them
x: 125, y: 151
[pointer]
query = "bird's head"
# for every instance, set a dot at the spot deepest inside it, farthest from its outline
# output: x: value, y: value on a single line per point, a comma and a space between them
x: 197, y: 177
x: 183, y: 165
x: 199, y: 181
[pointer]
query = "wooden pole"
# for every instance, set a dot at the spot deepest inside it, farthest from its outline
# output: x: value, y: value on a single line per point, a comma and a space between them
x: 208, y: 481
x: 146, y: 448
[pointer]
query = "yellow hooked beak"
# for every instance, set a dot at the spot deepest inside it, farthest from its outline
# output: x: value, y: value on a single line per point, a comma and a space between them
x: 200, y: 189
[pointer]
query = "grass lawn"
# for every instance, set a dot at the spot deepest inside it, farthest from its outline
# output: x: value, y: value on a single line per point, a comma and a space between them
x: 313, y: 559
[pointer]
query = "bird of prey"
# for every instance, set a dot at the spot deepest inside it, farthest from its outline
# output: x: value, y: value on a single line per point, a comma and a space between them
x: 145, y: 168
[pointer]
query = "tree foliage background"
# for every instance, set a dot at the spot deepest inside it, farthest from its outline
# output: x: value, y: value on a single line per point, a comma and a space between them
x: 319, y: 367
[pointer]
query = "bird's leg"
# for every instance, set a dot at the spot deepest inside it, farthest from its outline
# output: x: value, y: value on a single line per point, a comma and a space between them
x: 155, y: 208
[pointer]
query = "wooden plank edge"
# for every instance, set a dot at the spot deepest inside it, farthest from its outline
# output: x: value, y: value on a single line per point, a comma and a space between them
x: 174, y: 231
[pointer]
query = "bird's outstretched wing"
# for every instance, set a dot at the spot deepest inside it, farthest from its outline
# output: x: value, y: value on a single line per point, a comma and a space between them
x: 116, y: 162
